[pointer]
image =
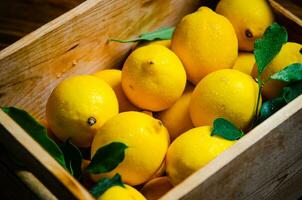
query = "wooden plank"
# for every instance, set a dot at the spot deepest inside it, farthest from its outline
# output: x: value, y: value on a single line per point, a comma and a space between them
x: 288, y: 10
x: 11, y: 186
x: 77, y: 43
x: 290, y: 189
x: 293, y: 5
x: 30, y: 184
x: 47, y: 170
x: 35, y: 185
x: 285, y: 16
x: 257, y: 167
x: 20, y: 17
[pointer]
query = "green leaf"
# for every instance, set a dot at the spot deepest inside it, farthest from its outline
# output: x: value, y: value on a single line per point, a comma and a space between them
x: 267, y: 47
x: 107, y: 158
x: 226, y: 130
x: 287, y: 94
x: 292, y: 91
x: 73, y: 158
x: 290, y: 73
x: 104, y: 184
x: 270, y: 107
x: 160, y: 34
x: 36, y: 131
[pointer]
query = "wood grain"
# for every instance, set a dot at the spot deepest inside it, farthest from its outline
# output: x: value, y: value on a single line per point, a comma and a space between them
x: 288, y: 9
x: 47, y: 170
x: 285, y: 16
x: 77, y: 43
x: 20, y: 17
x: 293, y: 5
x: 261, y: 165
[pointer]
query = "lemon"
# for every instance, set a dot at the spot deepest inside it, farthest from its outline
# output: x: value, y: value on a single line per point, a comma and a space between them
x: 290, y: 53
x: 153, y: 77
x: 245, y: 63
x: 114, y: 78
x: 177, y: 118
x: 249, y: 18
x: 120, y: 193
x: 165, y: 43
x: 156, y: 188
x: 226, y: 93
x: 205, y: 42
x: 147, y: 140
x: 78, y: 107
x: 148, y: 112
x: 161, y: 170
x: 193, y: 150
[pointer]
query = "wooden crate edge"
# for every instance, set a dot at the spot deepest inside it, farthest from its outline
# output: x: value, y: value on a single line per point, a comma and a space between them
x: 17, y: 141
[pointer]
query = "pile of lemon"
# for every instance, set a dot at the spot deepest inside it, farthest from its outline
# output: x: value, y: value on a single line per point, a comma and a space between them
x: 164, y: 100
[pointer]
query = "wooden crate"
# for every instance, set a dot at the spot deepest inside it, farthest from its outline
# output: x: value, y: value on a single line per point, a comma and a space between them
x: 265, y: 164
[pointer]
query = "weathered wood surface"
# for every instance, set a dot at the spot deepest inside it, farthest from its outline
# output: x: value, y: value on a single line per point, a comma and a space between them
x: 266, y: 164
x: 20, y: 17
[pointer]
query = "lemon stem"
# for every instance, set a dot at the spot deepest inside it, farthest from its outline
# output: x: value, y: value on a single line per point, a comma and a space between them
x: 260, y: 84
x: 258, y: 100
x: 91, y: 121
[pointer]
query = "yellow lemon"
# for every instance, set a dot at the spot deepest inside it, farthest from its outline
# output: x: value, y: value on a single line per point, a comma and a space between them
x: 147, y: 140
x: 290, y: 53
x: 114, y: 78
x: 161, y: 170
x: 177, y: 118
x: 249, y: 18
x: 156, y: 188
x: 245, y: 63
x: 78, y: 107
x: 226, y: 93
x: 148, y: 112
x: 193, y: 150
x: 165, y: 43
x: 153, y: 77
x: 205, y: 42
x: 121, y: 193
